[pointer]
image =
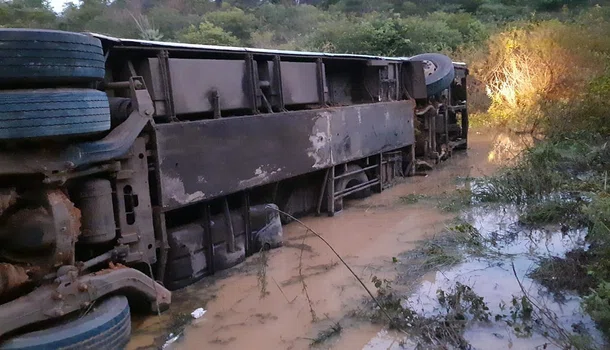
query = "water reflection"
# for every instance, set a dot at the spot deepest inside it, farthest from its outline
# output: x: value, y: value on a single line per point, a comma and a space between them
x: 498, y: 279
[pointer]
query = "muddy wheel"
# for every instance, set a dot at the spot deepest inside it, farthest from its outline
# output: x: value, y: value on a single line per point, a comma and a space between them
x: 106, y: 326
x: 440, y: 71
x: 52, y: 112
x: 349, y: 182
x: 49, y: 56
x: 352, y: 181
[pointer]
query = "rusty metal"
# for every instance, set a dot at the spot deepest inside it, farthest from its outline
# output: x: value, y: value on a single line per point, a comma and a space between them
x: 67, y: 224
x: 12, y: 277
x: 70, y: 293
x: 48, y: 225
x: 134, y: 207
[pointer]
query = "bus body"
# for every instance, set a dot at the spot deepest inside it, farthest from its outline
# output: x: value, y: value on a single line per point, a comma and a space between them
x: 210, y: 150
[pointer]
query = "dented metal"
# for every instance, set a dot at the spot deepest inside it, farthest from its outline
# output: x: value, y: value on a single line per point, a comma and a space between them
x: 272, y: 148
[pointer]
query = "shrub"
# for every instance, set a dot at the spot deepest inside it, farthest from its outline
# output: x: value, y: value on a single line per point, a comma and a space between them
x: 208, y: 34
x: 234, y: 21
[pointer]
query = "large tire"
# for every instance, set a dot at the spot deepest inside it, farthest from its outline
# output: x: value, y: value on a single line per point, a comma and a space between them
x: 352, y: 181
x: 443, y: 75
x: 49, y: 56
x: 52, y: 112
x: 107, y: 326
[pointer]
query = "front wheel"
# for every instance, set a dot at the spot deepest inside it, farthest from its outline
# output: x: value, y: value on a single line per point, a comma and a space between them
x: 106, y: 326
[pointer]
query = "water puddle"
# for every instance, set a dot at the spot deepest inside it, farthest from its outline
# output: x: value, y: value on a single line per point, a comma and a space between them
x: 513, y: 252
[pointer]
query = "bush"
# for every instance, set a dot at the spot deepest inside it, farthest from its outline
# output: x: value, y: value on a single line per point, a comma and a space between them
x: 472, y: 30
x: 208, y: 34
x: 235, y: 22
x: 396, y: 36
x: 288, y: 26
x: 171, y: 22
x: 27, y: 14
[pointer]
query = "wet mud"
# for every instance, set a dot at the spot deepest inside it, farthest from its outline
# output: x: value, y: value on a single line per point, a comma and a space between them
x: 264, y: 303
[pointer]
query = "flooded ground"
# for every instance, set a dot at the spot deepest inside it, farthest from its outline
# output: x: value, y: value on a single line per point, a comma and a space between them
x: 512, y: 252
x: 264, y: 304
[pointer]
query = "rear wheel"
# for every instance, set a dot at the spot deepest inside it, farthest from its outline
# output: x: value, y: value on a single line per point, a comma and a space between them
x: 49, y: 56
x: 107, y: 326
x: 350, y: 182
x: 52, y: 112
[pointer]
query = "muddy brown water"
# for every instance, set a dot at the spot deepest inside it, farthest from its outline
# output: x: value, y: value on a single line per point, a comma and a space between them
x: 368, y: 234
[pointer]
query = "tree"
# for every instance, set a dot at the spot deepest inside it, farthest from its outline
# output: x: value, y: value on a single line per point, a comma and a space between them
x: 76, y: 18
x: 170, y: 21
x: 208, y: 34
x: 234, y: 21
x: 27, y: 14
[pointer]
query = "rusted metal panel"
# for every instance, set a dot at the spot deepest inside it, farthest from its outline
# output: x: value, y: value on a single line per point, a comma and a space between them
x: 364, y: 130
x: 12, y: 277
x: 206, y: 159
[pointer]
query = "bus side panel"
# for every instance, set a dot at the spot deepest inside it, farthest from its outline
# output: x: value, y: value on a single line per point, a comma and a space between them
x: 364, y: 130
x: 206, y: 159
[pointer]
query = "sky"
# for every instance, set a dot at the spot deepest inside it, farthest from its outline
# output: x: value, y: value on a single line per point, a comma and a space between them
x: 58, y: 5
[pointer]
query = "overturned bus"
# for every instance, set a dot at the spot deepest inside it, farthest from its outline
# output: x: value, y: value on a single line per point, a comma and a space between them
x: 130, y: 168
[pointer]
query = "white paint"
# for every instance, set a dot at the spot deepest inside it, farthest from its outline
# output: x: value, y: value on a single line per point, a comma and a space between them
x: 260, y: 176
x: 174, y: 189
x: 318, y: 142
x: 320, y: 139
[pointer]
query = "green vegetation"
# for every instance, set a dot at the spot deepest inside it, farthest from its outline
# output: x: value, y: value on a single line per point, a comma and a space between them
x: 386, y: 27
x: 563, y: 180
